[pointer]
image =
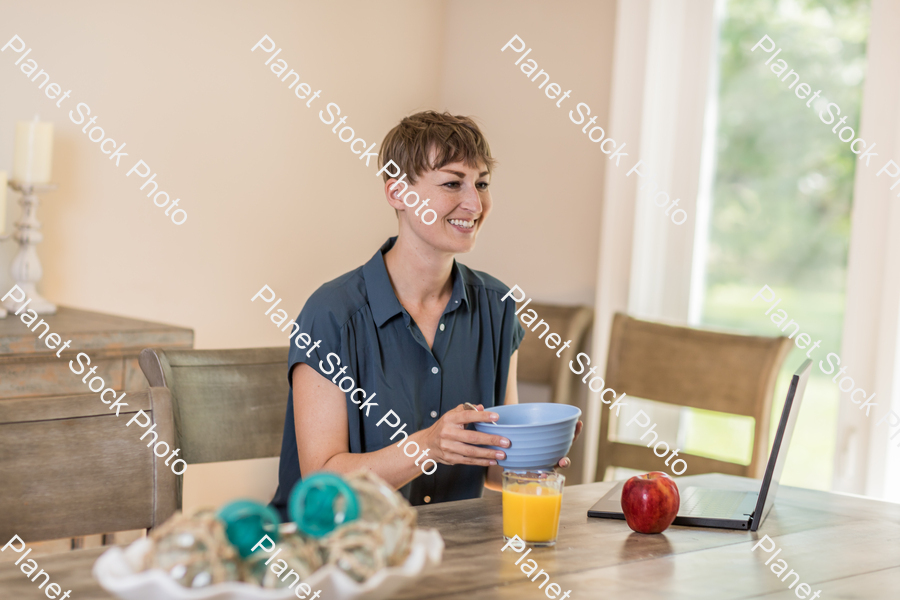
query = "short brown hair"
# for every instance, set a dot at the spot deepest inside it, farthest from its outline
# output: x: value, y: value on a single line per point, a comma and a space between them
x: 454, y: 138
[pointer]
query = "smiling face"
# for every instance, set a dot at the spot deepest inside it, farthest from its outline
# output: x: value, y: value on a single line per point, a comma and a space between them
x: 458, y: 193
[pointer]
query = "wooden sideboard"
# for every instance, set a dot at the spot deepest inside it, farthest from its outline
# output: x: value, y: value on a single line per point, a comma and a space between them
x: 28, y: 368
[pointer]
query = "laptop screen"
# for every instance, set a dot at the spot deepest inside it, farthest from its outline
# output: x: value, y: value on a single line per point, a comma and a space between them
x: 781, y: 443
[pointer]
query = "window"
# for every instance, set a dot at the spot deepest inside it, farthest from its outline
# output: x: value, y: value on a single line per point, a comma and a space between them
x: 780, y: 204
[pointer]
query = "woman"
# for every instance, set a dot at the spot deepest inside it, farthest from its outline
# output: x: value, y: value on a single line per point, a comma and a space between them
x: 413, y: 332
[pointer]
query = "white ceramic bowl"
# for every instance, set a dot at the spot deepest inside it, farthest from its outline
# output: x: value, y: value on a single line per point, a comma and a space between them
x: 118, y: 574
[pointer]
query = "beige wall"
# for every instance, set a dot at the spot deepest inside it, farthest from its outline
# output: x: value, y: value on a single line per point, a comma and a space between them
x: 272, y: 196
x: 548, y: 187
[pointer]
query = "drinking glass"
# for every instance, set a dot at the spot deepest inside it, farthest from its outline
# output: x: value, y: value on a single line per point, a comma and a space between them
x: 531, y: 504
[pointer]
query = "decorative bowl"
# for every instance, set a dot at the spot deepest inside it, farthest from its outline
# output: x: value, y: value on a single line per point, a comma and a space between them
x: 118, y: 573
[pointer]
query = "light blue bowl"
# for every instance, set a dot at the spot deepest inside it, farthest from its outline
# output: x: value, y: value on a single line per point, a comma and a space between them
x: 539, y: 433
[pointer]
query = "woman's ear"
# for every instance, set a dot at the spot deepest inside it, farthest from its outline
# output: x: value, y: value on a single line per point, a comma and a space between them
x: 393, y: 196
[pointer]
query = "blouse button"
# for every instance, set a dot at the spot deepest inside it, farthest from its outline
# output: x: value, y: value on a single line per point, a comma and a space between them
x: 434, y: 370
x: 442, y: 326
x: 427, y: 499
x: 434, y: 414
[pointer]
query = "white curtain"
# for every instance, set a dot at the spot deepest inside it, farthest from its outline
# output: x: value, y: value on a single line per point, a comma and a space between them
x: 663, y: 55
x: 866, y: 461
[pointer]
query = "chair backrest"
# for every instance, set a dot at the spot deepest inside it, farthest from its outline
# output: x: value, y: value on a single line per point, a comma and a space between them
x: 228, y: 404
x: 538, y: 363
x: 69, y: 467
x: 710, y: 370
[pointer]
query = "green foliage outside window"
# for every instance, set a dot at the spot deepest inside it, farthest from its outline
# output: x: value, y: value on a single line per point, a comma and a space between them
x: 782, y: 196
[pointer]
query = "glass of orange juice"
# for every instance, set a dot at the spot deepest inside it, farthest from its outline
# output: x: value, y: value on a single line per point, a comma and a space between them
x: 531, y: 503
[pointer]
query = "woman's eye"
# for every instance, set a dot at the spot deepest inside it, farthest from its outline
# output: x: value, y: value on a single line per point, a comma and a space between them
x: 482, y: 185
x: 452, y: 184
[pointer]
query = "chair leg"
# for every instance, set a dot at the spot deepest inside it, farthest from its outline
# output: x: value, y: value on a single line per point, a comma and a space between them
x: 108, y: 539
x: 77, y: 543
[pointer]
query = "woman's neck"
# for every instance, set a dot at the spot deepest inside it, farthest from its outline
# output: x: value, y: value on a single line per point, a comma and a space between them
x: 420, y: 275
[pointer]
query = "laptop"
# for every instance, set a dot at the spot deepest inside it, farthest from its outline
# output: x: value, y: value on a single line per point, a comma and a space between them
x: 727, y: 509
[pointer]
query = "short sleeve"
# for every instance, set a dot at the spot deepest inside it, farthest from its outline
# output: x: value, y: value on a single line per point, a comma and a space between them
x: 317, y: 341
x: 518, y: 334
x: 511, y: 324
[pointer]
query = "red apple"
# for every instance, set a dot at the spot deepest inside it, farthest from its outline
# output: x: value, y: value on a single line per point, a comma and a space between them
x: 650, y: 502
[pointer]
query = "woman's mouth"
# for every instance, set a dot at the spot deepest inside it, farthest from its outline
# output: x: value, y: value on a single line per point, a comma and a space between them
x: 462, y: 224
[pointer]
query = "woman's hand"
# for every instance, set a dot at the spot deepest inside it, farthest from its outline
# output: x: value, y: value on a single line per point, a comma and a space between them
x: 565, y: 463
x: 452, y: 444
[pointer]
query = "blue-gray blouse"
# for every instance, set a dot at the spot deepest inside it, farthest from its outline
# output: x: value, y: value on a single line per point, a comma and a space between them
x: 358, y: 319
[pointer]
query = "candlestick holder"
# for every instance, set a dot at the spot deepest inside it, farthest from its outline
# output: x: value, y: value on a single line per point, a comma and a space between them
x: 26, y: 266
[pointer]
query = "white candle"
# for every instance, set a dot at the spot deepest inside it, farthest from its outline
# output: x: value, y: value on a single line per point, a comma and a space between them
x: 2, y: 202
x: 34, y: 152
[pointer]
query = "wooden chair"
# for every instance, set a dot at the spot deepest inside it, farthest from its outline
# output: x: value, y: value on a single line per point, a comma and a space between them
x: 699, y: 369
x: 227, y: 404
x: 69, y: 467
x: 539, y: 364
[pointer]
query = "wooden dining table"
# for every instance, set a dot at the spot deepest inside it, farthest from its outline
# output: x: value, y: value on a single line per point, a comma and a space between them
x: 843, y: 546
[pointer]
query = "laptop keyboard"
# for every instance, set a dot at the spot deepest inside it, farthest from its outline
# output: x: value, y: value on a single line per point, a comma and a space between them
x: 710, y: 503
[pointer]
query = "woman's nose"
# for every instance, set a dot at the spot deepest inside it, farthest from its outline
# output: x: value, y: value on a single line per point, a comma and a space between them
x: 472, y: 200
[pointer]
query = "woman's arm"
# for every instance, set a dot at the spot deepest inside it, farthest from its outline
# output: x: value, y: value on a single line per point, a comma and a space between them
x: 320, y: 422
x: 321, y: 425
x: 492, y: 480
